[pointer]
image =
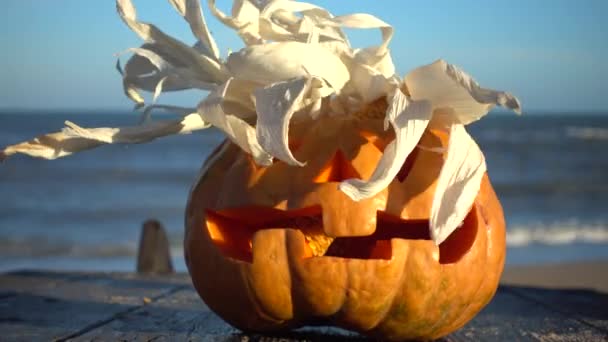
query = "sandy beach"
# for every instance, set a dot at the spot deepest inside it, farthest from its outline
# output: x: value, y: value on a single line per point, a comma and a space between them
x: 574, y: 275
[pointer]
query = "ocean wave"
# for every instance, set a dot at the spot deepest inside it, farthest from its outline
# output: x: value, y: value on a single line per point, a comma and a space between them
x: 520, y: 136
x: 130, y: 174
x: 40, y: 247
x: 548, y: 135
x: 587, y: 133
x: 557, y: 234
x: 565, y: 185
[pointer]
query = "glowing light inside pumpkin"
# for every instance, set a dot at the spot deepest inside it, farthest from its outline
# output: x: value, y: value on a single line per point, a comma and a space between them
x: 337, y: 169
x: 233, y: 230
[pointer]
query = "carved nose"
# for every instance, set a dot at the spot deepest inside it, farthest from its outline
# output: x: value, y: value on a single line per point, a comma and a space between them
x: 337, y: 169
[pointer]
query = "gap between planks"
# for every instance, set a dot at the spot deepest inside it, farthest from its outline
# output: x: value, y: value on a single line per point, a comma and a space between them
x: 118, y: 315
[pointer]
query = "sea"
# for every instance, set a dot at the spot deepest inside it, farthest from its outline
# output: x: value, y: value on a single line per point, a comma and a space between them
x: 85, y: 212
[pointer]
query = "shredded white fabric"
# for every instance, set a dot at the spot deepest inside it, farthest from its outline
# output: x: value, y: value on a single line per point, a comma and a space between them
x: 439, y: 150
x: 191, y: 11
x: 448, y: 87
x: 275, y: 105
x: 409, y: 119
x: 74, y: 138
x: 277, y: 62
x: 458, y: 184
x: 296, y: 55
x: 236, y: 129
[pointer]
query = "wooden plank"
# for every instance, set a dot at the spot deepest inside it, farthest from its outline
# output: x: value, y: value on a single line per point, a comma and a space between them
x: 64, y: 283
x: 55, y: 305
x: 7, y: 294
x: 587, y: 306
x: 174, y: 317
x: 182, y: 316
x: 100, y: 307
x: 511, y: 317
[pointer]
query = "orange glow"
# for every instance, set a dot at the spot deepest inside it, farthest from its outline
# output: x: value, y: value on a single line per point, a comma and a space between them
x: 373, y: 138
x: 337, y: 169
x: 232, y: 232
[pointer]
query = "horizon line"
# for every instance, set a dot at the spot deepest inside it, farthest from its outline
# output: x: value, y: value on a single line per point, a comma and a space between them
x: 76, y: 110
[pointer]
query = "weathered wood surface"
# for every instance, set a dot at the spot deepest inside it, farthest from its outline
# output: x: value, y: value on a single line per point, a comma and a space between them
x: 42, y: 306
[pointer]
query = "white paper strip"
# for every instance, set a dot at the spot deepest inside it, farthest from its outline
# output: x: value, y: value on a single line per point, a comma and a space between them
x: 236, y: 129
x: 275, y: 106
x: 74, y: 138
x: 458, y: 184
x: 409, y: 120
x: 448, y: 87
x: 278, y: 62
x: 206, y: 68
x: 192, y: 13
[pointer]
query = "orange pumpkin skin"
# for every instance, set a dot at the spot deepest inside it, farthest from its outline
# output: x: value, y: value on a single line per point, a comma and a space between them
x: 408, y: 289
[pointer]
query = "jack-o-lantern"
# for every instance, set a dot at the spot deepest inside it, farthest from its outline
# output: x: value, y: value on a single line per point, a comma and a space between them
x: 314, y: 211
x: 281, y: 246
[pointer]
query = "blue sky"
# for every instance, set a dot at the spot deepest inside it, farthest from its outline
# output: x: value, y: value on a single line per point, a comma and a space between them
x: 60, y: 54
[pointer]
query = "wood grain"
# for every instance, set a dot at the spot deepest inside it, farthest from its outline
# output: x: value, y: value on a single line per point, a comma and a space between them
x: 71, y: 306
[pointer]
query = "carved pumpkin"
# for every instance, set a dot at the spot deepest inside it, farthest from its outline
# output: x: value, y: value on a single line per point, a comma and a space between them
x: 313, y: 211
x: 281, y: 246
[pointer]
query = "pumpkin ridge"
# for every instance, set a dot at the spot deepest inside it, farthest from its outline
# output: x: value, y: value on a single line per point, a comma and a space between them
x: 481, y: 210
x: 440, y: 325
x: 254, y: 298
x: 397, y: 310
x: 432, y: 301
x: 383, y: 317
x: 481, y: 284
x: 312, y: 297
x: 271, y: 300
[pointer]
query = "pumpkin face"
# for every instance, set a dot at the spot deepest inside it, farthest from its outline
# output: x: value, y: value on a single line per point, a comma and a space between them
x: 343, y: 229
x: 277, y: 247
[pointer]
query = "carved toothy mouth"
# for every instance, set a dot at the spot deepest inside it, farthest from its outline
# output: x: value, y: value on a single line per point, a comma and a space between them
x: 233, y: 230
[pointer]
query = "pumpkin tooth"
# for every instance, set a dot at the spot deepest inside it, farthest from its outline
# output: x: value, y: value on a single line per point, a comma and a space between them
x: 233, y: 231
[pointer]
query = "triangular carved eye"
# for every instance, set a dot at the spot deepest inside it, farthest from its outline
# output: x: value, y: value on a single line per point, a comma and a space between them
x: 382, y: 142
x: 377, y: 141
x: 337, y: 169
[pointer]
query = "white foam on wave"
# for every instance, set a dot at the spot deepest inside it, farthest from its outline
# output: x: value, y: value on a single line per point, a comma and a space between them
x: 557, y: 234
x: 554, y: 234
x: 41, y: 247
x: 587, y: 133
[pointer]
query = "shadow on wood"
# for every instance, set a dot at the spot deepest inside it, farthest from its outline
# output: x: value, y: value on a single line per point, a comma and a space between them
x: 82, y: 306
x: 154, y: 256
